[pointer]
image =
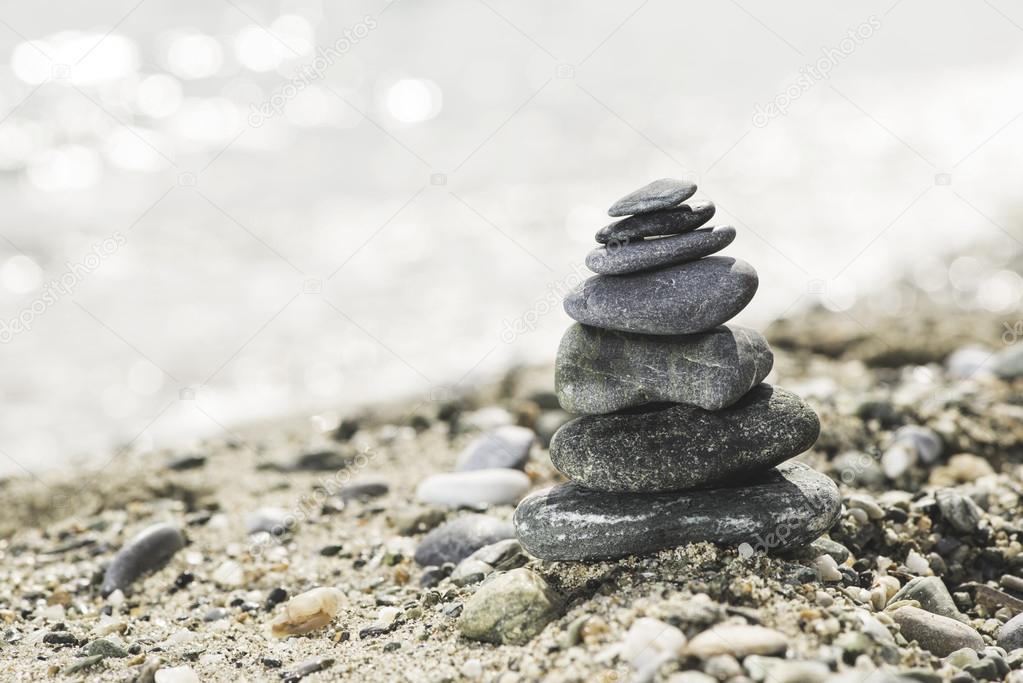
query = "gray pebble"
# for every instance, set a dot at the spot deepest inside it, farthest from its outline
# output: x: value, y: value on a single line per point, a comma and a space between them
x: 510, y: 609
x: 671, y: 222
x: 675, y: 447
x: 618, y: 259
x: 105, y: 648
x: 786, y: 508
x: 364, y: 490
x: 455, y: 540
x: 933, y: 596
x: 1008, y: 363
x: 602, y: 371
x: 682, y: 299
x: 958, y: 510
x: 938, y: 635
x: 659, y: 194
x: 148, y: 551
x: 1010, y: 635
x: 506, y: 446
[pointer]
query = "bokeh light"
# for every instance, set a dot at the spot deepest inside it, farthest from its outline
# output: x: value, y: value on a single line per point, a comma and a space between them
x: 412, y: 100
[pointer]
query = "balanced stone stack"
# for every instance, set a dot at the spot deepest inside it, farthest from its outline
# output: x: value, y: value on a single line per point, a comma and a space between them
x: 678, y: 439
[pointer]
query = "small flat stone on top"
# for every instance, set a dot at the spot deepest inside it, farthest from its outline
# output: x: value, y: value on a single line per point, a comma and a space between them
x: 660, y: 194
x: 668, y: 222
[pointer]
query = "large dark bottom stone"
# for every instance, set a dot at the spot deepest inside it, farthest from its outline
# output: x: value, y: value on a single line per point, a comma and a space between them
x: 786, y: 508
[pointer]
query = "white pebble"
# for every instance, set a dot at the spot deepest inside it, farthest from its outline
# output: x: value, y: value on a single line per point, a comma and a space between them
x: 828, y: 568
x: 498, y: 486
x: 229, y: 574
x: 649, y: 641
x: 176, y: 674
x: 472, y: 669
x: 917, y: 564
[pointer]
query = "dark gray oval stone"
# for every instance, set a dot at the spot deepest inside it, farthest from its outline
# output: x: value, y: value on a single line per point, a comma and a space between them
x: 670, y: 222
x: 674, y: 447
x: 630, y: 257
x: 148, y: 551
x: 601, y: 371
x: 786, y: 508
x: 458, y: 539
x: 682, y: 299
x: 660, y: 194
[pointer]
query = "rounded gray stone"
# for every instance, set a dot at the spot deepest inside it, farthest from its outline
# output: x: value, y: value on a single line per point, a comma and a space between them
x: 455, y: 540
x: 668, y: 222
x: 505, y: 446
x: 1010, y: 635
x: 632, y: 257
x: 676, y: 447
x: 938, y: 635
x: 660, y: 194
x: 681, y: 299
x: 150, y: 550
x: 933, y: 596
x: 786, y: 508
x: 602, y: 371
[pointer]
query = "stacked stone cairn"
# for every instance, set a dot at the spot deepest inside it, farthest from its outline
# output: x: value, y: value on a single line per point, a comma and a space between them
x: 677, y: 439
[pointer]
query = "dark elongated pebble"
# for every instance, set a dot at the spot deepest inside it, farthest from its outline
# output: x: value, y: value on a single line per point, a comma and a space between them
x: 632, y: 257
x: 601, y: 371
x: 675, y: 447
x: 660, y: 194
x: 455, y: 540
x: 146, y: 552
x: 682, y: 299
x: 669, y: 222
x: 786, y: 508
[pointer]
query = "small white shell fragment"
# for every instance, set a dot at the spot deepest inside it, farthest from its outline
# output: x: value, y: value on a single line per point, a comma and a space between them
x: 307, y: 612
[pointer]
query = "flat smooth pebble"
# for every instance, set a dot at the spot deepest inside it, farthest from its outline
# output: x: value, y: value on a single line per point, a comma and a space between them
x: 668, y: 222
x: 632, y: 257
x: 1010, y: 635
x: 455, y: 540
x: 682, y: 299
x: 659, y: 194
x: 510, y: 609
x: 786, y: 508
x: 475, y: 487
x: 675, y: 447
x: 506, y: 446
x: 938, y: 635
x: 738, y: 640
x: 151, y: 549
x: 602, y: 371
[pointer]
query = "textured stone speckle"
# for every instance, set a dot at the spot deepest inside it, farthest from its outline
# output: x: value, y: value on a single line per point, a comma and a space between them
x: 632, y: 257
x: 668, y: 222
x: 659, y: 194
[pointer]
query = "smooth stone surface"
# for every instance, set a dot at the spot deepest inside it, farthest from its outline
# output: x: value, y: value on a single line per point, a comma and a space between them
x: 1010, y: 634
x: 959, y: 510
x: 364, y: 490
x: 150, y: 550
x: 503, y: 555
x: 933, y: 596
x: 602, y: 371
x: 659, y: 194
x: 670, y: 222
x: 675, y: 447
x: 455, y: 540
x: 1008, y: 363
x: 475, y: 487
x: 938, y: 635
x: 507, y: 446
x: 786, y: 508
x: 510, y: 609
x: 738, y: 640
x: 632, y: 257
x: 682, y: 299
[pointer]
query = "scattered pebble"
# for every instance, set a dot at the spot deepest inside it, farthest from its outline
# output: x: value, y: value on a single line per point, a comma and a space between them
x: 150, y: 550
x: 507, y: 446
x: 938, y: 635
x: 176, y: 674
x: 1010, y: 635
x: 455, y: 540
x: 473, y: 488
x: 307, y: 612
x: 738, y: 640
x: 510, y: 609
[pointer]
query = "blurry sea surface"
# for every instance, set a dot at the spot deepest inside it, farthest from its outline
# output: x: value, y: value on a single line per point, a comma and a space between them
x: 217, y: 212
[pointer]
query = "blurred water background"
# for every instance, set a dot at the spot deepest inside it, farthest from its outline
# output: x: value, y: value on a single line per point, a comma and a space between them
x: 220, y: 211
